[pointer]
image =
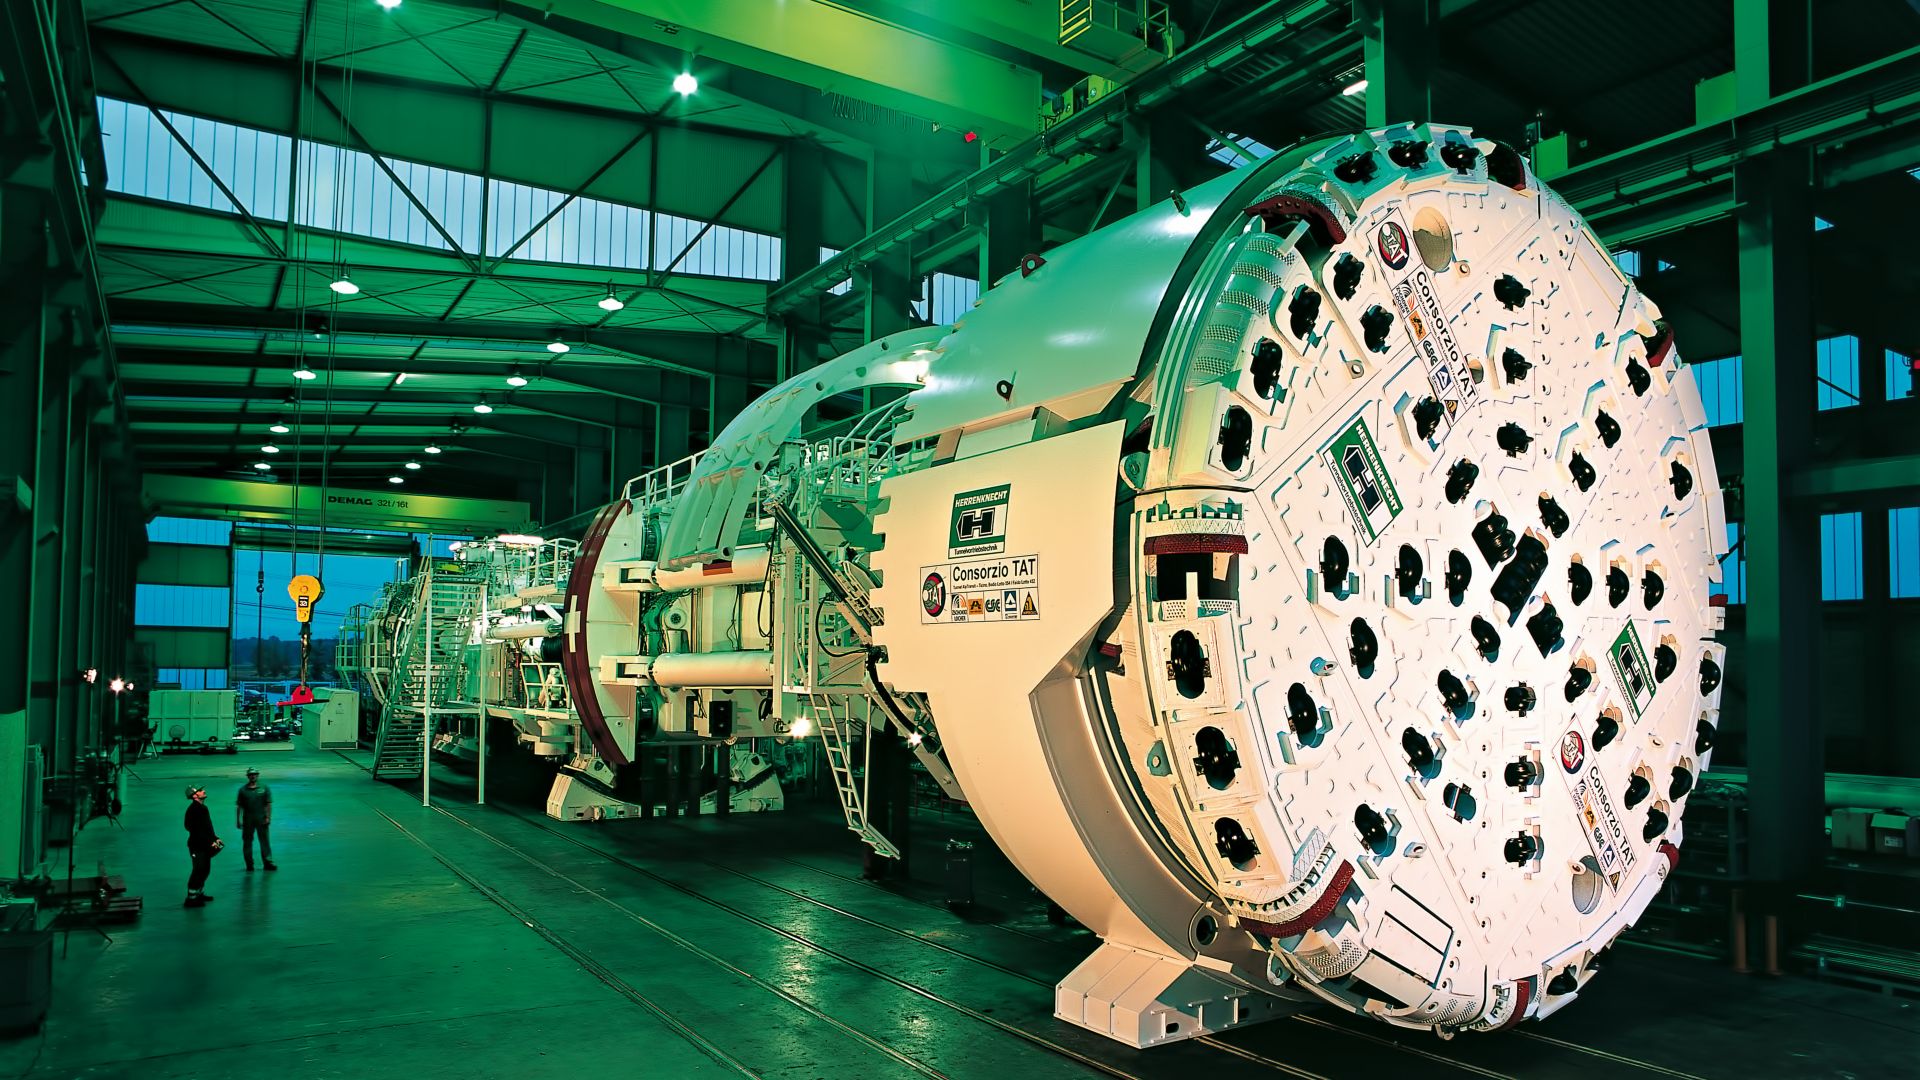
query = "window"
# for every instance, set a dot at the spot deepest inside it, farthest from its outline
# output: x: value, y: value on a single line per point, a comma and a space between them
x: 144, y: 158
x: 1903, y: 550
x: 1841, y: 576
x: 1900, y: 372
x: 844, y: 287
x: 588, y: 232
x: 1238, y: 150
x: 192, y: 678
x: 1720, y: 391
x: 1821, y: 224
x: 953, y: 296
x: 347, y: 191
x: 1733, y: 568
x: 180, y: 605
x: 406, y: 202
x: 1628, y: 261
x: 177, y: 530
x: 1837, y: 362
x: 717, y: 251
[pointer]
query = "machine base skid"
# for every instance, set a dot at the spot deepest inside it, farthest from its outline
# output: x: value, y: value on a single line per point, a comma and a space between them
x: 1144, y: 999
x: 573, y: 800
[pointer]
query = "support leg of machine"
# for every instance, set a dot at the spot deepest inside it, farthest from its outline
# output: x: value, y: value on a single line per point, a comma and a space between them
x: 1143, y: 998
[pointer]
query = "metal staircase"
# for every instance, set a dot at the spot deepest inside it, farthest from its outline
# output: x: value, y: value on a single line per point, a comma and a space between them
x: 834, y: 716
x: 430, y: 659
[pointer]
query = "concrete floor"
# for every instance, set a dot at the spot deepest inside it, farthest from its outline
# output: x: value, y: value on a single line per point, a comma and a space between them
x: 479, y: 942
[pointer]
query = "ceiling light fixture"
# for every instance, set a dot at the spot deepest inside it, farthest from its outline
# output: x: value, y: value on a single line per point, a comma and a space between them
x: 556, y: 345
x: 400, y: 378
x: 685, y: 84
x: 482, y: 407
x: 396, y: 479
x: 262, y: 466
x: 610, y: 302
x: 413, y: 465
x: 433, y: 448
x: 1355, y: 90
x: 514, y: 378
x: 304, y: 373
x: 269, y: 448
x: 279, y: 427
x: 343, y: 284
x: 388, y: 4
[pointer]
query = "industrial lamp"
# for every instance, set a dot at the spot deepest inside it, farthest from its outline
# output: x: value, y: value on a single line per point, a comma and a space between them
x: 481, y: 406
x: 610, y: 302
x: 515, y: 379
x: 556, y: 345
x: 343, y: 284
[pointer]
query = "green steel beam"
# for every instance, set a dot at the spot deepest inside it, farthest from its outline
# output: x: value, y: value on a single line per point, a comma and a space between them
x: 1872, y: 100
x: 241, y: 500
x: 1096, y: 129
x: 835, y: 51
x: 1863, y: 480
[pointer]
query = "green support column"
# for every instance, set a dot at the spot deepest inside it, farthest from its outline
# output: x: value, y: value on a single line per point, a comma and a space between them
x: 632, y: 441
x: 1399, y: 40
x: 1011, y: 233
x: 45, y: 600
x: 22, y: 250
x: 806, y: 192
x: 1785, y: 740
x: 1168, y: 156
x: 88, y: 598
x: 671, y: 429
x: 889, y: 281
x: 590, y: 472
x: 726, y: 398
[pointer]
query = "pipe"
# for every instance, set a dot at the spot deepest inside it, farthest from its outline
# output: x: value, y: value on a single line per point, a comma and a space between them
x: 748, y: 567
x: 523, y: 631
x: 746, y: 670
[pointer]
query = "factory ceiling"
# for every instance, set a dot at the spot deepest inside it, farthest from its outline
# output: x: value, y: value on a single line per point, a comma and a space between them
x: 417, y: 202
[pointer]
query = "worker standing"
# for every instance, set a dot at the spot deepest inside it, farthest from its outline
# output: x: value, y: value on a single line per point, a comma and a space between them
x: 252, y: 813
x: 202, y: 844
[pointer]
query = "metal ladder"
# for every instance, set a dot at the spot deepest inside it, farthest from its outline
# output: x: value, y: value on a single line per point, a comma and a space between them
x: 836, y: 731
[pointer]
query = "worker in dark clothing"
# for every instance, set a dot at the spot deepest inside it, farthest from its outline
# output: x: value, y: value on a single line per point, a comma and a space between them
x: 202, y: 844
x: 252, y: 813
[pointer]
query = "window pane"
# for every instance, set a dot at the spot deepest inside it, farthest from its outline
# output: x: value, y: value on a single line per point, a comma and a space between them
x: 1838, y: 360
x: 1841, y: 576
x: 1903, y: 547
x: 177, y: 530
x: 1720, y: 391
x: 180, y: 605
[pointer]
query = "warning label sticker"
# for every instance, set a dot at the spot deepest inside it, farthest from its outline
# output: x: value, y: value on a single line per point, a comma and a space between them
x: 1606, y: 836
x: 1412, y: 285
x: 1364, y: 484
x: 979, y: 523
x: 981, y: 590
x: 1628, y: 662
